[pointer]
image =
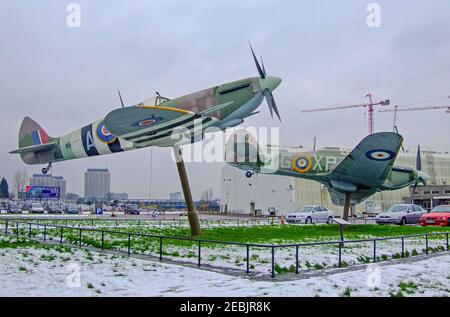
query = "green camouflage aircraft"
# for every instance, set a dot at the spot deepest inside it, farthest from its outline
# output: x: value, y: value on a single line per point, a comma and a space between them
x: 158, y: 121
x: 354, y: 176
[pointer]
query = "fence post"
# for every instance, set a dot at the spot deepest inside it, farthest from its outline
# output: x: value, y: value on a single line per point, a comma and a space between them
x: 296, y: 259
x: 340, y: 254
x: 426, y: 244
x: 61, y: 238
x: 199, y: 252
x: 403, y: 247
x: 45, y: 232
x: 6, y: 229
x: 103, y: 240
x: 374, y: 250
x: 17, y: 228
x: 273, y: 262
x: 160, y: 248
x: 129, y: 243
x: 447, y: 241
x: 248, y: 259
x: 80, y: 237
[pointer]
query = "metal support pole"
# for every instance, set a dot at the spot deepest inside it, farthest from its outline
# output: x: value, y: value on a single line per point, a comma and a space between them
x: 346, y: 206
x: 447, y: 241
x: 129, y: 244
x: 273, y: 261
x: 403, y: 247
x: 6, y: 229
x: 17, y: 228
x: 340, y: 255
x: 191, y: 212
x: 296, y: 259
x: 45, y: 232
x: 248, y: 259
x: 199, y: 253
x: 80, y: 236
x: 103, y: 239
x: 160, y: 249
x: 374, y: 250
x: 61, y: 238
x: 426, y: 244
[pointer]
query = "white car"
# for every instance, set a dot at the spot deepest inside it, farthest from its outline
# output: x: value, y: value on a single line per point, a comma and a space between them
x: 401, y: 214
x: 311, y: 214
x: 37, y: 208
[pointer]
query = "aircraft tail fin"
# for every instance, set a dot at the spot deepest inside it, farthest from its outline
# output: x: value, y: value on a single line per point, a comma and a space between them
x: 33, y: 139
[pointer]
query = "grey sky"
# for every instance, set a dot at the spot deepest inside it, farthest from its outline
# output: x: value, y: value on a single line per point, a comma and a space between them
x: 65, y: 78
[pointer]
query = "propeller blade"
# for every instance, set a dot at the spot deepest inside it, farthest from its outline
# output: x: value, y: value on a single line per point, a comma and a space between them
x: 272, y: 104
x: 418, y: 159
x: 260, y: 71
x: 121, y: 101
x: 262, y: 64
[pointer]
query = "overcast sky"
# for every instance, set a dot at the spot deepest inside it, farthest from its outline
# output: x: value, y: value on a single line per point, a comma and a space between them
x: 324, y: 51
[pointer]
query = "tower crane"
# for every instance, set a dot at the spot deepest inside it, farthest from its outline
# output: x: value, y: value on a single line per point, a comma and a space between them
x: 397, y: 109
x: 370, y: 105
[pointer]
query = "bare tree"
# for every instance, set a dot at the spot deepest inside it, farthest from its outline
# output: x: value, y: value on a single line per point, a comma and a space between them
x: 207, y: 195
x: 20, y: 179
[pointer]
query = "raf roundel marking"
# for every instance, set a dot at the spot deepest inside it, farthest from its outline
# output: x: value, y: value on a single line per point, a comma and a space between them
x: 302, y: 164
x: 380, y: 155
x: 147, y: 122
x: 104, y: 135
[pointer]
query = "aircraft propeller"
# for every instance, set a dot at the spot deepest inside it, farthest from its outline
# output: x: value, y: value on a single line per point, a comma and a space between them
x: 421, y: 177
x: 266, y: 92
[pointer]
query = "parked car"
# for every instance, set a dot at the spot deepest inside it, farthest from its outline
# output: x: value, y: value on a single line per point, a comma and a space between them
x: 14, y: 209
x: 132, y: 212
x: 54, y: 210
x: 310, y: 214
x: 36, y: 208
x: 71, y: 210
x: 401, y: 214
x: 438, y: 216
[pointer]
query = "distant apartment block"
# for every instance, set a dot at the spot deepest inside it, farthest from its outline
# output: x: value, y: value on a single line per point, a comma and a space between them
x: 97, y: 184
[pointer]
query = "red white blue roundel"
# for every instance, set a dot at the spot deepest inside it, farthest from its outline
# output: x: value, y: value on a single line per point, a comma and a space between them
x: 147, y: 121
x: 380, y: 155
x: 104, y: 135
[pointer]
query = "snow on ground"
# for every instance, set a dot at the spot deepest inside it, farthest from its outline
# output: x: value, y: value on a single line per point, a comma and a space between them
x: 53, y: 270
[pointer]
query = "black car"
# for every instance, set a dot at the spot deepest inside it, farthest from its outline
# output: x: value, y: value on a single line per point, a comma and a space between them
x: 132, y: 212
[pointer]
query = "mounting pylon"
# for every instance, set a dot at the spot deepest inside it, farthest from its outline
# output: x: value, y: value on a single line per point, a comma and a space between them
x: 369, y: 105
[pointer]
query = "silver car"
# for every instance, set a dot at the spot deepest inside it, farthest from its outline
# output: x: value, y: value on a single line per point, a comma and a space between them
x: 401, y: 214
x: 311, y: 214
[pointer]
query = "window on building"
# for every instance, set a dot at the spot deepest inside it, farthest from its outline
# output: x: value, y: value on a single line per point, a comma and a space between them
x: 427, y: 192
x: 435, y: 192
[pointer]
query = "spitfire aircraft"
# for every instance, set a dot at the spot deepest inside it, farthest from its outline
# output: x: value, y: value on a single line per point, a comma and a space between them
x: 349, y: 177
x: 154, y: 122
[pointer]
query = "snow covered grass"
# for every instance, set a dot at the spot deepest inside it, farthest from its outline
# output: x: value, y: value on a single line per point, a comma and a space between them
x: 316, y: 257
x: 30, y: 269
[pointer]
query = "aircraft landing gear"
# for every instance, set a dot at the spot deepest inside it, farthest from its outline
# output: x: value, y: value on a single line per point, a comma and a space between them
x: 249, y: 174
x: 46, y: 169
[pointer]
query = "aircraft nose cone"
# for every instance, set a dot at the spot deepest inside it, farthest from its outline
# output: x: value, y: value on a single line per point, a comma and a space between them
x: 270, y: 83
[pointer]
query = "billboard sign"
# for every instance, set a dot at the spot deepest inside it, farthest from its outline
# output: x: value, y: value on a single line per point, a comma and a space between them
x: 42, y: 192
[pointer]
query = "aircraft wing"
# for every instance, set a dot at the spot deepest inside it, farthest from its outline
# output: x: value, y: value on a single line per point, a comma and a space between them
x: 141, y: 122
x: 368, y: 165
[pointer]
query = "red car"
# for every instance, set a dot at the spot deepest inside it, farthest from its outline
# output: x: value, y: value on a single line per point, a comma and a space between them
x: 439, y: 216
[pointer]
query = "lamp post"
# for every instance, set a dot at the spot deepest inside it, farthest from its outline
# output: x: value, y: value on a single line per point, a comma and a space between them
x: 226, y: 180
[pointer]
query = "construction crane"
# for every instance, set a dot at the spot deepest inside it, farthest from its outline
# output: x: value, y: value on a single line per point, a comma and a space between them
x: 397, y: 109
x: 369, y: 105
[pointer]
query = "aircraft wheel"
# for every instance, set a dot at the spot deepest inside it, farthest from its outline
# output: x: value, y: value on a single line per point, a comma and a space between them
x: 44, y: 171
x: 248, y: 174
